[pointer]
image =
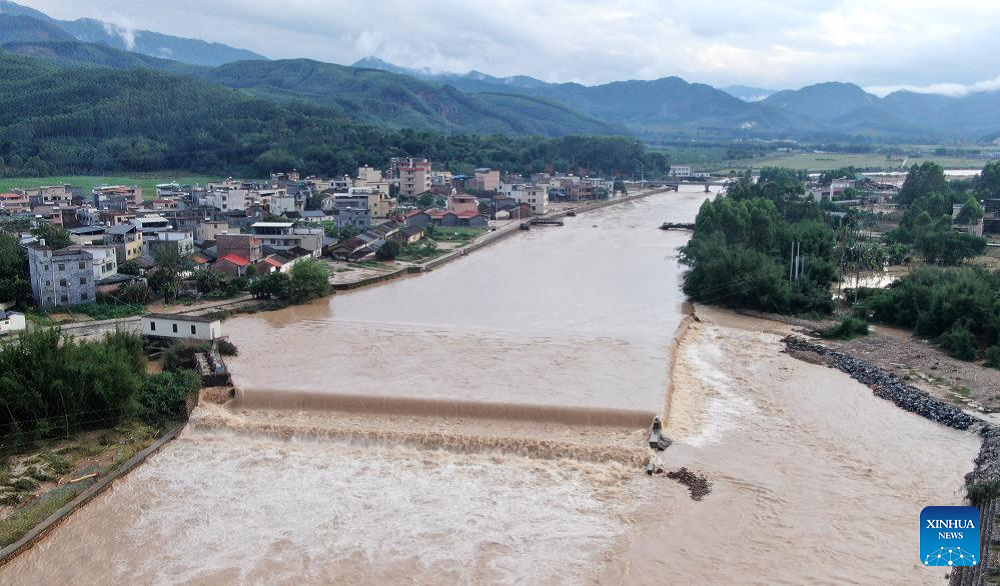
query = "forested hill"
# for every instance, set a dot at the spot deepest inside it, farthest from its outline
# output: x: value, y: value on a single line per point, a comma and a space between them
x: 400, y: 101
x: 98, y: 119
x: 191, y: 51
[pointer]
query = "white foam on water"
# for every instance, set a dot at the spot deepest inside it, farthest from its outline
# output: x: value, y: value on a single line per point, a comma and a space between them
x: 218, y: 506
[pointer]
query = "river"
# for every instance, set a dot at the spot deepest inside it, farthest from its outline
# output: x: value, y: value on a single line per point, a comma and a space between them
x: 484, y: 423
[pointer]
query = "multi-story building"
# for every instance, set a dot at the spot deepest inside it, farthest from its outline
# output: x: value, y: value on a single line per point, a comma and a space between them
x: 535, y: 196
x: 487, y: 179
x: 15, y: 202
x: 61, y: 277
x: 414, y: 176
x: 210, y: 229
x: 105, y: 262
x: 356, y: 218
x: 227, y: 196
x: 460, y: 204
x: 378, y: 202
x: 118, y: 197
x: 245, y: 246
x: 52, y: 195
x: 371, y: 177
x: 284, y: 235
x: 87, y: 234
x: 170, y: 242
x: 127, y: 240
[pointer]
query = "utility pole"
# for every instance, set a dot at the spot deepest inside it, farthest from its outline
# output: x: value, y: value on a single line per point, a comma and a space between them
x: 791, y: 264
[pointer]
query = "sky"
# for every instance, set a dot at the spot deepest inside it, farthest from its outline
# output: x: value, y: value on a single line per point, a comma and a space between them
x: 881, y: 45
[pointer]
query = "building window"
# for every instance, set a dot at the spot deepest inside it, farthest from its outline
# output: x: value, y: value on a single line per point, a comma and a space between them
x: 63, y: 298
x: 62, y: 282
x: 62, y: 267
x: 152, y: 326
x: 175, y: 328
x: 82, y: 265
x: 48, y: 283
x: 83, y: 280
x: 194, y: 329
x: 83, y: 296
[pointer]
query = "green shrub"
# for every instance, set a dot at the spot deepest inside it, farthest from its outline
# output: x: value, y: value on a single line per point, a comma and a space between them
x: 993, y: 356
x: 848, y: 329
x: 180, y: 355
x: 164, y: 396
x: 958, y: 342
x: 227, y: 348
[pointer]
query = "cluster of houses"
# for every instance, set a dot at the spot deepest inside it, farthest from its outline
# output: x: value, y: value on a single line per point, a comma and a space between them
x: 270, y: 225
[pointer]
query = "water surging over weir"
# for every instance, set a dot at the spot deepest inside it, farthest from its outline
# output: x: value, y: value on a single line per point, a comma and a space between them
x: 375, y: 406
x: 464, y: 432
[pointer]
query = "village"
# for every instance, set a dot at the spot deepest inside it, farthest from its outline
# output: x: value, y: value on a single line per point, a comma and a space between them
x: 104, y: 247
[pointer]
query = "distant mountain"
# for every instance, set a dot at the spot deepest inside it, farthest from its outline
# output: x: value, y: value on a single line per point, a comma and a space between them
x: 192, y: 51
x: 402, y: 101
x: 471, y: 82
x: 824, y: 101
x: 73, y: 53
x: 747, y: 93
x: 668, y: 104
x: 17, y: 28
x: 973, y: 116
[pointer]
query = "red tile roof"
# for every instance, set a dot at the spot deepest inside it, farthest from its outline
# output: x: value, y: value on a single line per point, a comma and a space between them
x: 235, y: 259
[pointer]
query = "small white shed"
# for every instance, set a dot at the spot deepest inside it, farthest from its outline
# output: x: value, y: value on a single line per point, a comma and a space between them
x: 185, y: 327
x: 11, y: 322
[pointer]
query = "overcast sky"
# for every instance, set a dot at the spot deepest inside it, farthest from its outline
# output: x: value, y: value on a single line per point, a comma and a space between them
x: 878, y: 44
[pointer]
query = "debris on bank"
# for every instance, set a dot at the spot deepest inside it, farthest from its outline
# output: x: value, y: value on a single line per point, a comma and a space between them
x: 698, y: 484
x: 886, y: 385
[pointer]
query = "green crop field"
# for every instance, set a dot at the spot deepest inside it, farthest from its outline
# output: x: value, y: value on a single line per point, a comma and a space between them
x: 824, y: 161
x: 147, y: 181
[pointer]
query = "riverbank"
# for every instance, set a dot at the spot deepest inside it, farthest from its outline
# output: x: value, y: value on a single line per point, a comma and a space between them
x: 918, y: 362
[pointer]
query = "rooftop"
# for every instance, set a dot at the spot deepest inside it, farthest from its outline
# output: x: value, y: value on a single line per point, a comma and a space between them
x: 180, y: 317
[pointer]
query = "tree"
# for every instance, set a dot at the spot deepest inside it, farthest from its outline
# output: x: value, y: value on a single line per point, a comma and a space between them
x: 209, y: 280
x: 310, y: 280
x: 14, y: 283
x: 130, y: 267
x: 388, y: 251
x: 971, y: 212
x: 425, y: 200
x: 922, y: 180
x: 165, y: 279
x: 54, y: 236
x: 988, y: 183
x: 272, y: 285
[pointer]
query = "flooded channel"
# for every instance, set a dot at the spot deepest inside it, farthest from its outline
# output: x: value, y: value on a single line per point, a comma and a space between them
x: 484, y: 424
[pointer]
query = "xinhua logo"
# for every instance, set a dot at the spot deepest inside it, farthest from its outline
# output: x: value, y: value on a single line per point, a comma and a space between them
x: 949, y: 536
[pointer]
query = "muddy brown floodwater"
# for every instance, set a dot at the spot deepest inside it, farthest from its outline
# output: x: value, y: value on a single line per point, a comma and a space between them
x: 484, y: 424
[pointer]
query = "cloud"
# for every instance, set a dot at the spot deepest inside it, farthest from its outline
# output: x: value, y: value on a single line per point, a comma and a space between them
x: 121, y: 25
x: 946, y: 89
x: 766, y: 43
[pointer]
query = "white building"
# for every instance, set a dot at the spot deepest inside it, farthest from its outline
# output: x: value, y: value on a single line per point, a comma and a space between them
x: 11, y: 322
x: 680, y: 170
x: 187, y: 327
x: 534, y: 195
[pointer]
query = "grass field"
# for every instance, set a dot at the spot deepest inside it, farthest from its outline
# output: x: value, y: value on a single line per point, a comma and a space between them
x: 824, y: 161
x: 147, y: 181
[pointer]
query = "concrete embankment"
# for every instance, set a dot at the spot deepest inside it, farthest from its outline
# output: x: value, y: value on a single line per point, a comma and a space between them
x: 39, y: 531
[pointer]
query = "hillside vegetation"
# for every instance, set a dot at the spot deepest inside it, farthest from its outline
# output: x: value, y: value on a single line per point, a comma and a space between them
x: 97, y: 120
